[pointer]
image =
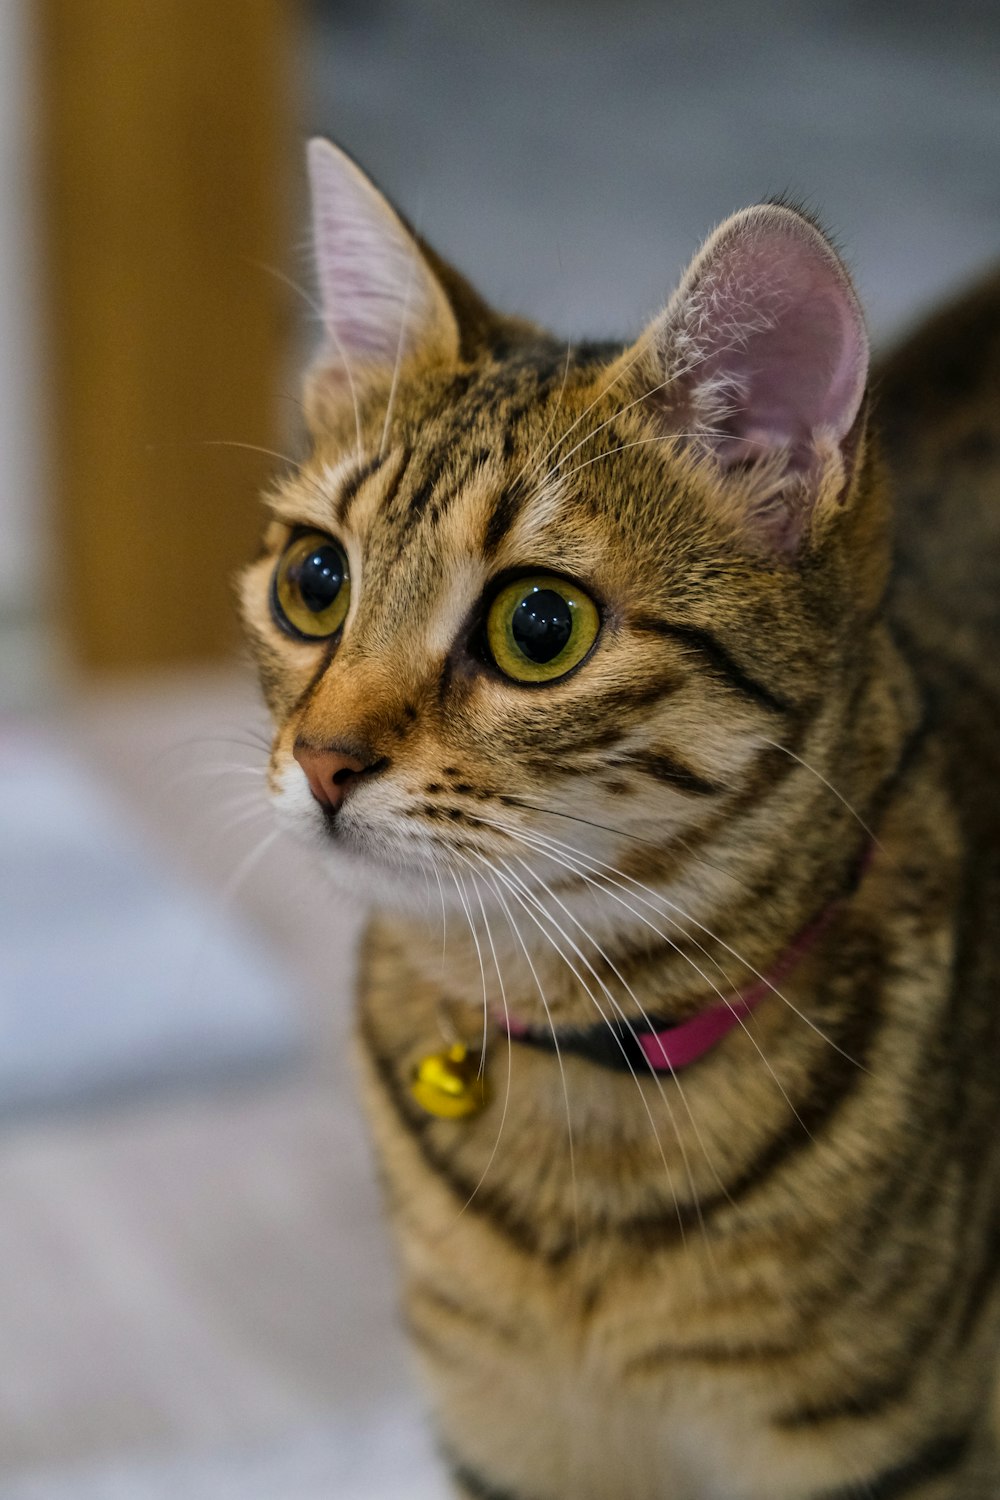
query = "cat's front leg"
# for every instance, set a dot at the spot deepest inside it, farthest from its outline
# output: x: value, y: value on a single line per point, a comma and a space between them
x: 956, y: 1468
x: 952, y: 1469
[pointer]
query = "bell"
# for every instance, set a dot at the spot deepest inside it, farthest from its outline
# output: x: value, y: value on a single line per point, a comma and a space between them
x: 450, y: 1084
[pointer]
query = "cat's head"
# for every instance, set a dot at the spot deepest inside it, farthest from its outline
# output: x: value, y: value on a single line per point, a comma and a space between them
x: 524, y: 598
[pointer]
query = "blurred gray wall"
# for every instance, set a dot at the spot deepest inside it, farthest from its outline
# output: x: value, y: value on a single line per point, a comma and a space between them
x: 23, y: 522
x: 570, y: 154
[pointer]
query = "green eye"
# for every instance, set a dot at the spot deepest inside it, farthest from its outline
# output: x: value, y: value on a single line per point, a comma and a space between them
x: 540, y: 627
x: 311, y: 590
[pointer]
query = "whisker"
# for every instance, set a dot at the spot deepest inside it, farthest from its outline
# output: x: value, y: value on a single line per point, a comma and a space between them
x: 828, y: 784
x: 200, y: 773
x: 519, y: 476
x: 625, y: 833
x: 663, y: 437
x: 644, y: 1015
x: 555, y: 1039
x: 294, y: 286
x: 245, y: 796
x: 512, y: 882
x: 398, y: 360
x: 653, y: 1071
x: 674, y: 376
x: 444, y: 917
x: 330, y: 324
x: 284, y: 458
x: 510, y: 1049
x: 660, y: 900
x: 247, y: 815
x: 246, y: 867
x: 639, y: 351
x: 723, y: 998
x: 496, y: 963
x: 545, y: 844
x: 618, y: 412
x: 253, y: 739
x: 462, y: 896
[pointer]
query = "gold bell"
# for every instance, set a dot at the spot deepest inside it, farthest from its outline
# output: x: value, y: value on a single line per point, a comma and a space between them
x: 451, y: 1084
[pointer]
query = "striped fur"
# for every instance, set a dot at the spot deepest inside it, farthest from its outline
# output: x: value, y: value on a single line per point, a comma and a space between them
x: 775, y: 1277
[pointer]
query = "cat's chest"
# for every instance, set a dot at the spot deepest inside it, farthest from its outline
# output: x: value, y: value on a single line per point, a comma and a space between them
x: 587, y: 1378
x: 536, y: 1395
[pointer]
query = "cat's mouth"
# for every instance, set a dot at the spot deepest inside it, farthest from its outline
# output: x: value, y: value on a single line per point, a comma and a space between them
x: 364, y: 841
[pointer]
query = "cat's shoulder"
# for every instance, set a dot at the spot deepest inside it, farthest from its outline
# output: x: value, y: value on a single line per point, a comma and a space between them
x: 937, y: 404
x: 939, y: 385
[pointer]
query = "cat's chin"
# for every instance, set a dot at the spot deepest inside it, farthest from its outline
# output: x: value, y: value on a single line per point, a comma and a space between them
x: 375, y: 871
x: 387, y: 886
x: 367, y: 863
x: 376, y: 856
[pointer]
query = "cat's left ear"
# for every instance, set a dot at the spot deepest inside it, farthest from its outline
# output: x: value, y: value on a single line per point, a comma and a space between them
x: 760, y: 362
x: 381, y: 299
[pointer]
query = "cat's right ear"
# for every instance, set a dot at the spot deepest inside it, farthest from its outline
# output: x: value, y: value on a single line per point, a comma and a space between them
x: 759, y: 364
x: 381, y: 300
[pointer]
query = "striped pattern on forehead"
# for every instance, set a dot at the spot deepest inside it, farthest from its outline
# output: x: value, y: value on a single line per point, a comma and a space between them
x: 501, y: 413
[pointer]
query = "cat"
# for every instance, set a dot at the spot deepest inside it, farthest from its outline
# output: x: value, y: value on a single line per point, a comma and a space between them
x: 596, y: 656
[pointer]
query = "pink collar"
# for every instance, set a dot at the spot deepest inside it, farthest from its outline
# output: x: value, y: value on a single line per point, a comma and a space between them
x: 679, y: 1046
x: 673, y: 1047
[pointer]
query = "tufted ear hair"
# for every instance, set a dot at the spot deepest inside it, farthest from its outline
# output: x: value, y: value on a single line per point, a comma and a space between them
x: 381, y: 299
x: 761, y: 361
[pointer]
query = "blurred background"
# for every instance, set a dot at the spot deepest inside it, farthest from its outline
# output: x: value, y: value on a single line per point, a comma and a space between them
x: 195, y: 1290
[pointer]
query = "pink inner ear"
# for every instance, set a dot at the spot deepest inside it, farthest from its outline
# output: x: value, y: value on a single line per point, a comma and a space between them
x: 780, y: 336
x: 363, y: 281
x: 379, y: 298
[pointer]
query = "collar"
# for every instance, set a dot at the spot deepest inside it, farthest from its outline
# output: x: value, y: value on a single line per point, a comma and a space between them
x: 664, y: 1046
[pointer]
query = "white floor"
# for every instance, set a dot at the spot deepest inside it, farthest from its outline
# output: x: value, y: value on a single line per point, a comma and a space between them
x: 387, y: 1457
x: 143, y: 980
x: 195, y: 1285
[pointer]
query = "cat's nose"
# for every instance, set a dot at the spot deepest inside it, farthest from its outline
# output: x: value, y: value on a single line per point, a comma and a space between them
x: 329, y: 772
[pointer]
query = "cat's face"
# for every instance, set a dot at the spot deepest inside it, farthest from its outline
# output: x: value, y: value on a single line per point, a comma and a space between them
x: 521, y: 601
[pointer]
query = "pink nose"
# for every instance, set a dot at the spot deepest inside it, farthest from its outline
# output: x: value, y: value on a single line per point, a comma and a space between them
x: 329, y: 773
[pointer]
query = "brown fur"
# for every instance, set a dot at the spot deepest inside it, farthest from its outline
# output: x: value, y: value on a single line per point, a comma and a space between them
x: 775, y: 1278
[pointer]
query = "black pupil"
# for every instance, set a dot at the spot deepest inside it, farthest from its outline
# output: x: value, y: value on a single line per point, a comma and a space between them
x: 319, y: 578
x: 542, y: 625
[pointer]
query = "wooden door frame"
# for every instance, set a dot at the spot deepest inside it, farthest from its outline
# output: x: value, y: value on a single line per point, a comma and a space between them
x: 166, y: 150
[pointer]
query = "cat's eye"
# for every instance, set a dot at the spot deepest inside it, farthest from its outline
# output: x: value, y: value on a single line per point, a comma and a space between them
x: 311, y: 589
x: 540, y: 627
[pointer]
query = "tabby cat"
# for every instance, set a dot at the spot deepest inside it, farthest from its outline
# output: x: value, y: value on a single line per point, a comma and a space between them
x: 596, y: 658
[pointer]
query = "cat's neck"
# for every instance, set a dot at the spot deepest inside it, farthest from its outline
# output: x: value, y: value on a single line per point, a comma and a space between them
x: 666, y: 929
x: 873, y: 985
